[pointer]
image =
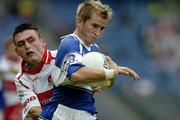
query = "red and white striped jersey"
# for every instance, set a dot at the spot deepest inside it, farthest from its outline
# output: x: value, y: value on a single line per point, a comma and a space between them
x: 12, y: 108
x: 35, y: 88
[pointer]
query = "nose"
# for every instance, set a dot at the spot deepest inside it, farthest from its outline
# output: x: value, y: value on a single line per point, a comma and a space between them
x: 27, y: 45
x: 98, y: 31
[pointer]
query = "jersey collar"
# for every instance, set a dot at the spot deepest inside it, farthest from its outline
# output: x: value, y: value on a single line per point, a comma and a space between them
x: 82, y: 42
x: 43, y: 61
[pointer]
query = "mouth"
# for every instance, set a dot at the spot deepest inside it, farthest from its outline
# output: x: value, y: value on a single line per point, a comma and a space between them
x: 29, y: 53
x: 94, y: 37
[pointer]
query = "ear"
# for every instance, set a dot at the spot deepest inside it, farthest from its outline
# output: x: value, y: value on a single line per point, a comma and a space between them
x: 16, y: 51
x: 78, y: 21
x: 43, y: 41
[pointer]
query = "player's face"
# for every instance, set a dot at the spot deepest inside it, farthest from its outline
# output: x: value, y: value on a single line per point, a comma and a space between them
x: 29, y: 46
x: 92, y: 28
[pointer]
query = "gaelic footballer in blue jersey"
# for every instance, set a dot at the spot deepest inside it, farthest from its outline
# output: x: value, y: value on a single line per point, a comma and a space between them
x: 73, y: 99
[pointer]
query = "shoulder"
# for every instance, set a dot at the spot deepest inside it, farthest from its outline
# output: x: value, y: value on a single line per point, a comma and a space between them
x: 21, y: 75
x: 53, y: 52
x: 23, y: 81
x: 69, y: 41
x: 20, y: 79
x: 95, y: 45
x: 20, y: 72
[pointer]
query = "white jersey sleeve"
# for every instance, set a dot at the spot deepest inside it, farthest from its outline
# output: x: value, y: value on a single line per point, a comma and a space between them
x: 27, y: 96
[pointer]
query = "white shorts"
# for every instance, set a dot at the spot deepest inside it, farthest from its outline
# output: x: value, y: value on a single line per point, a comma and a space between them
x: 65, y: 113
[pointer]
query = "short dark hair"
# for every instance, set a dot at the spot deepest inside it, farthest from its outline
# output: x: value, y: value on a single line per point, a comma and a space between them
x: 25, y: 26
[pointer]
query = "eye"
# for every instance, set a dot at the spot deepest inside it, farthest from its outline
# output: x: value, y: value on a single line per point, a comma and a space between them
x: 20, y: 43
x: 31, y: 39
x: 102, y: 28
x: 95, y: 25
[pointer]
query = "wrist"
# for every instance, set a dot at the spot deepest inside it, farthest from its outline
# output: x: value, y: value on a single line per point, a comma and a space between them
x: 110, y: 74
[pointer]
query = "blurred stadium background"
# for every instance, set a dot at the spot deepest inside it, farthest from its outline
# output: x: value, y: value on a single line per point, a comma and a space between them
x: 143, y: 35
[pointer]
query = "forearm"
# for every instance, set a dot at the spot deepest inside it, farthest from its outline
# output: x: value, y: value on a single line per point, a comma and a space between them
x: 87, y: 75
x: 34, y: 113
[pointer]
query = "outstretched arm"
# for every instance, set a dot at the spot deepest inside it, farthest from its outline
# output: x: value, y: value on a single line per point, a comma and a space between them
x: 122, y: 70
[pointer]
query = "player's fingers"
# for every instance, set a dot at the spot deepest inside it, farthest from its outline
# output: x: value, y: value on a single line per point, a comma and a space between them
x: 123, y: 71
x: 134, y: 75
x: 103, y: 87
x: 97, y: 89
x: 108, y: 58
x: 131, y: 73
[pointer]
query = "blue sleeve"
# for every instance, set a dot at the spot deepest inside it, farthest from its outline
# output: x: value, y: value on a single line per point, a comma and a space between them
x: 68, y: 55
x: 72, y: 69
x: 67, y: 45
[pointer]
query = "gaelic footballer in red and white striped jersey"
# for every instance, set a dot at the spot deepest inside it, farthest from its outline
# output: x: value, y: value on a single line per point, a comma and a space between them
x: 35, y: 88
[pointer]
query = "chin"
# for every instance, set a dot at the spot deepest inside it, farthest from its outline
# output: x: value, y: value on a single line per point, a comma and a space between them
x: 31, y: 59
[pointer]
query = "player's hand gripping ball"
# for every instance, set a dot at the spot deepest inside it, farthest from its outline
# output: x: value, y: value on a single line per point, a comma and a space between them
x: 96, y: 60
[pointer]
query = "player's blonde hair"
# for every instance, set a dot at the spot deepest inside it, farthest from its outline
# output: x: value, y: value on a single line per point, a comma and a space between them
x: 86, y: 9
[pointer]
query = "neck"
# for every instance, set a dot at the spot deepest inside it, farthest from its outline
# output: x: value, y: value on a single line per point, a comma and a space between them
x: 81, y: 37
x: 78, y: 34
x: 32, y: 66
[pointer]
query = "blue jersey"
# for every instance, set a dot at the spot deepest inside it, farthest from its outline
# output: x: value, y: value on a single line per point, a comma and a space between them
x: 69, y: 59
